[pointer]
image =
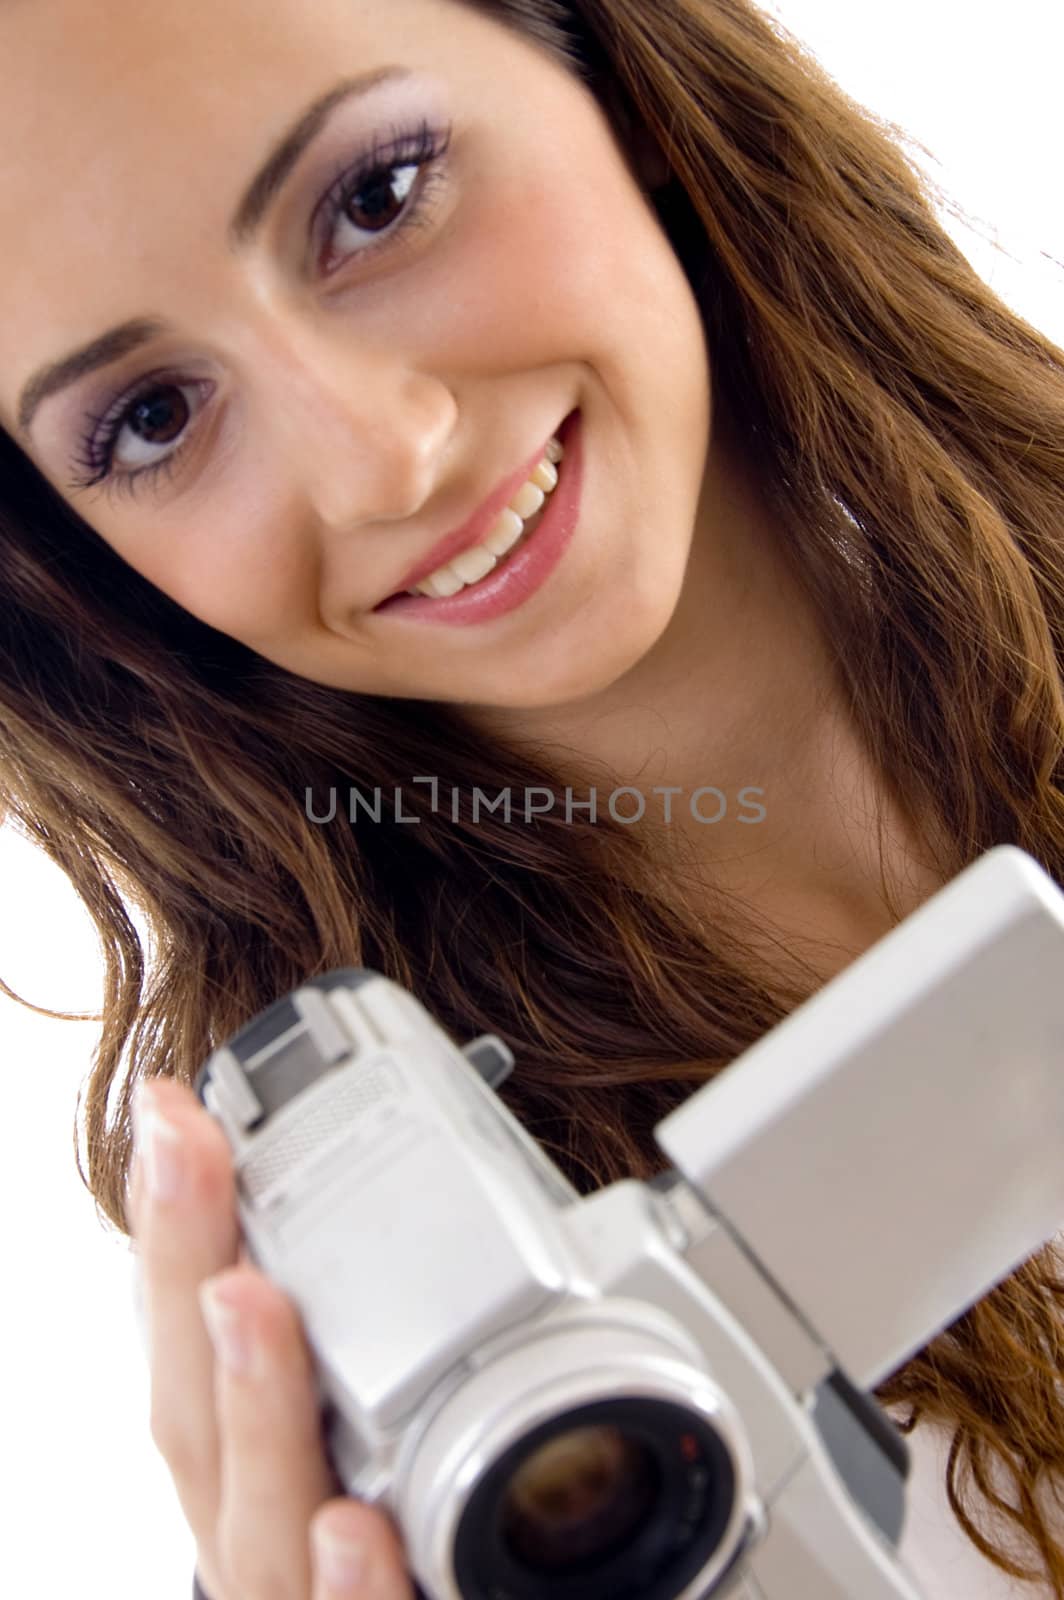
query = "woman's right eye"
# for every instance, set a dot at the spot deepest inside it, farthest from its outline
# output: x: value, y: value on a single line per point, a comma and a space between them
x: 158, y: 404
x: 159, y: 407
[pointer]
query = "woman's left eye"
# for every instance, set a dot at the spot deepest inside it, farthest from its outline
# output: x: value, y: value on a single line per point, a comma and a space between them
x: 373, y: 197
x: 381, y: 183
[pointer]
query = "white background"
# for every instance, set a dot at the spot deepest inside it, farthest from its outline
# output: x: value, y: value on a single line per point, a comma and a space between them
x: 89, y: 1505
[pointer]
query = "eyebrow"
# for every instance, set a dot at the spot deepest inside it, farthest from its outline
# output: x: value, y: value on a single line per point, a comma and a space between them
x: 246, y: 222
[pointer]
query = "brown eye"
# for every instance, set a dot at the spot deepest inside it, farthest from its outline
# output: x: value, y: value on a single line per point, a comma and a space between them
x: 159, y: 416
x: 380, y: 195
x: 383, y: 198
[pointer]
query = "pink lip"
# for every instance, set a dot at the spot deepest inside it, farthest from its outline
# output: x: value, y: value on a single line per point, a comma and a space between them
x: 520, y: 574
x: 474, y: 531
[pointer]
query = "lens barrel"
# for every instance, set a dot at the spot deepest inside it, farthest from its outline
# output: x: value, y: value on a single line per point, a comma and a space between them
x: 624, y: 1498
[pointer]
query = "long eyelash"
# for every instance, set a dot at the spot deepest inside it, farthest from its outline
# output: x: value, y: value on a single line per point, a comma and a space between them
x: 101, y: 434
x: 422, y: 147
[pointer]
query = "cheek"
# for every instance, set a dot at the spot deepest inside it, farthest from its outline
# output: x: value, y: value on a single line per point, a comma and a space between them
x: 532, y: 248
x: 571, y: 269
x: 239, y: 571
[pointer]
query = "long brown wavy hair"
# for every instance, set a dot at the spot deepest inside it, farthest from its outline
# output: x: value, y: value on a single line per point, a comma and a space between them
x: 910, y: 430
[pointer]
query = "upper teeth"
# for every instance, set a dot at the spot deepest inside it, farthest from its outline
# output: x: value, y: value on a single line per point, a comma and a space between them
x: 504, y: 534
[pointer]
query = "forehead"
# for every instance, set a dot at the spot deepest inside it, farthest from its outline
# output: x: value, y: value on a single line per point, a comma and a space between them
x: 95, y: 93
x: 135, y: 127
x: 55, y: 47
x: 83, y: 77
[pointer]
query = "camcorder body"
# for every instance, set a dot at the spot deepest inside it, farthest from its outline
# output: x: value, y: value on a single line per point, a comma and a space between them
x: 658, y: 1390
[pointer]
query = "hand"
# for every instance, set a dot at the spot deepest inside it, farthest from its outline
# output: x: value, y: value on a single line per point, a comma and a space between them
x: 235, y: 1416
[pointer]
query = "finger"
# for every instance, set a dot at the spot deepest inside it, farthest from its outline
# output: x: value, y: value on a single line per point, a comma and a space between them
x: 357, y: 1553
x: 183, y: 1207
x: 274, y: 1470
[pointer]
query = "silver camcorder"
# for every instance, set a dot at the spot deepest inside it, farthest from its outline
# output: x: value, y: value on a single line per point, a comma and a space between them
x: 660, y: 1390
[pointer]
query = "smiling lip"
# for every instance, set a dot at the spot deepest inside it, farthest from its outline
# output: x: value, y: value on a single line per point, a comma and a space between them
x: 524, y: 569
x: 475, y: 530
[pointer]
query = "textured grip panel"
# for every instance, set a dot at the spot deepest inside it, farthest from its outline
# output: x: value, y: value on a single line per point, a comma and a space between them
x: 323, y: 1116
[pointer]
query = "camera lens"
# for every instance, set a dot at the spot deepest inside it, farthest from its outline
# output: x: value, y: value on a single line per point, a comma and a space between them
x: 578, y: 1496
x: 626, y: 1497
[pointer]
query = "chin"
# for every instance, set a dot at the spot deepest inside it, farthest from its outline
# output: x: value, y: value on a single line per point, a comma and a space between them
x: 561, y: 681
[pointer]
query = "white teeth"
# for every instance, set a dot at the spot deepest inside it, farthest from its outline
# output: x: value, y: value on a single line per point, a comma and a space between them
x: 473, y: 564
x: 506, y: 532
x: 527, y: 501
x: 476, y: 563
x: 441, y: 584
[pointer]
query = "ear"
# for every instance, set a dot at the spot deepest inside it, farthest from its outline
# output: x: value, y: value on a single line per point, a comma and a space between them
x: 650, y: 159
x: 645, y: 154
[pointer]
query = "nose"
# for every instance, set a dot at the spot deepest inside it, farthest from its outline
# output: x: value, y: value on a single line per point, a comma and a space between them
x: 361, y: 433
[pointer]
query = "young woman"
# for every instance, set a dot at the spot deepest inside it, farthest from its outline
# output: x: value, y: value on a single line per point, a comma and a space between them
x: 301, y: 302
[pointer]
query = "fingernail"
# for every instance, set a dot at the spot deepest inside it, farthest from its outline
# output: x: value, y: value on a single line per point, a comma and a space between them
x: 340, y: 1560
x: 232, y: 1338
x: 158, y: 1146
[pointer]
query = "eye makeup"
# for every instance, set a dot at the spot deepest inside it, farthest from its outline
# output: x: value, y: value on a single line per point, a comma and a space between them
x: 408, y: 164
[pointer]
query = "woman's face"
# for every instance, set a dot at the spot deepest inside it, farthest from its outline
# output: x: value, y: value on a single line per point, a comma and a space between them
x: 332, y: 392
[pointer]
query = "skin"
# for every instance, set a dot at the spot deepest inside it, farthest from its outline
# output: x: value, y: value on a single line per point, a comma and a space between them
x: 339, y: 424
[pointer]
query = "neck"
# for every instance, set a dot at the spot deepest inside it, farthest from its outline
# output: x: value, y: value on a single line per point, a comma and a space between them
x: 741, y: 693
